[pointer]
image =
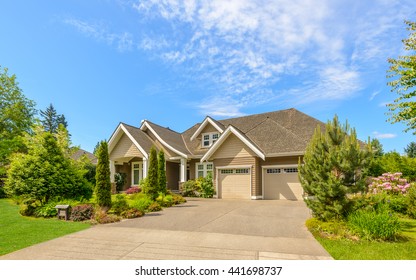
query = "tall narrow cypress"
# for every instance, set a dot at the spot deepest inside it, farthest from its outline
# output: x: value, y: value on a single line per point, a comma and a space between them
x: 161, y: 172
x: 102, y: 177
x: 152, y: 176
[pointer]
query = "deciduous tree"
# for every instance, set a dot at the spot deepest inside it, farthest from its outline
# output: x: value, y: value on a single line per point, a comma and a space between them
x: 403, y: 72
x: 16, y: 117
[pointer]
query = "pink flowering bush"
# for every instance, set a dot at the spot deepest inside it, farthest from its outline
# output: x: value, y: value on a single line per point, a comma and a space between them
x: 390, y: 183
x: 133, y: 189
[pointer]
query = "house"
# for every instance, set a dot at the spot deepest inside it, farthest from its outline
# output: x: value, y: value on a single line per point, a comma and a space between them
x: 80, y: 153
x: 250, y: 157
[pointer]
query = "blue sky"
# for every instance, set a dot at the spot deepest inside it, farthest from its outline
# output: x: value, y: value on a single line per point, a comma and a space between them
x: 101, y: 62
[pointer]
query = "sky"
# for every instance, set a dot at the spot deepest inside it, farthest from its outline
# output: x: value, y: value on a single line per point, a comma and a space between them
x: 102, y: 62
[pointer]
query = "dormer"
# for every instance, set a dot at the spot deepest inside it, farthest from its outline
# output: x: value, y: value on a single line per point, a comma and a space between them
x: 208, y: 132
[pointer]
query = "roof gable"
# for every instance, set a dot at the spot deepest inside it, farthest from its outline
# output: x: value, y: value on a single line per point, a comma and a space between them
x: 167, y: 137
x: 232, y: 130
x: 208, y: 120
x: 135, y: 136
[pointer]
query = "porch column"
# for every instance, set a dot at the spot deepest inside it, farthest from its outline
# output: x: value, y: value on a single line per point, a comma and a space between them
x: 144, y: 168
x: 112, y: 171
x: 182, y: 171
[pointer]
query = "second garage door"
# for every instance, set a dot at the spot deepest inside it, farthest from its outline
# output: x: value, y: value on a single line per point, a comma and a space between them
x: 234, y: 183
x: 282, y: 183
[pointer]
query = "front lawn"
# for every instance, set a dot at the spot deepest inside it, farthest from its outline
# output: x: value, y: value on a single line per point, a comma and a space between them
x: 17, y: 232
x: 403, y: 249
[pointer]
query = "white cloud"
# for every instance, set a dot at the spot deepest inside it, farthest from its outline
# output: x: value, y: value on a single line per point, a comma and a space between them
x: 379, y: 135
x: 122, y: 41
x: 374, y: 94
x: 246, y: 50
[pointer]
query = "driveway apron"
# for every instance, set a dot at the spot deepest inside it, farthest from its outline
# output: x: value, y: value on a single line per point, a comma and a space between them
x: 199, y: 229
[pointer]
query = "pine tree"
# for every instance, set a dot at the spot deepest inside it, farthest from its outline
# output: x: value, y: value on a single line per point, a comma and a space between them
x: 102, y: 178
x: 334, y: 165
x: 410, y: 150
x: 161, y: 172
x: 51, y: 120
x: 151, y: 185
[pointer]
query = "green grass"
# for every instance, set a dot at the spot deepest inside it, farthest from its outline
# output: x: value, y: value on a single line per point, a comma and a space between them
x: 17, y: 232
x: 403, y: 249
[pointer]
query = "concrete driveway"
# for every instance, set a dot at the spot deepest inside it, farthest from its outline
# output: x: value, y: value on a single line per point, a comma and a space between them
x: 198, y: 229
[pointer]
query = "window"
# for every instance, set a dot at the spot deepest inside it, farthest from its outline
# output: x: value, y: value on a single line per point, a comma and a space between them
x: 241, y: 171
x: 227, y: 171
x: 209, y: 138
x: 136, y: 173
x: 202, y: 169
x: 291, y: 170
x: 272, y: 170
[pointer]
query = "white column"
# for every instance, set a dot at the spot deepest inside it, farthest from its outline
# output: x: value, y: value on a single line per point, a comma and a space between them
x: 144, y: 168
x: 182, y: 171
x: 112, y: 171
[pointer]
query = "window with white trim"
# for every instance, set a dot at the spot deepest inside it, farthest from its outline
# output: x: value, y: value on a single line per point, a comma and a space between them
x: 291, y: 170
x: 136, y: 173
x: 209, y: 138
x: 235, y: 171
x: 203, y: 169
x: 273, y: 170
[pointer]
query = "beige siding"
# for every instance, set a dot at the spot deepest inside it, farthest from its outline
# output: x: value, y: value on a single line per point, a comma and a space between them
x: 242, y: 161
x: 125, y: 148
x: 281, y: 160
x: 233, y: 147
x: 208, y: 128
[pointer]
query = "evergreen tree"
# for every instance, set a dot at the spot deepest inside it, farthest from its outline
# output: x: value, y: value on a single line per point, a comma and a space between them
x: 377, y: 148
x: 161, y: 172
x: 44, y: 172
x: 334, y: 165
x: 51, y: 120
x: 410, y: 150
x: 151, y: 186
x: 102, y: 178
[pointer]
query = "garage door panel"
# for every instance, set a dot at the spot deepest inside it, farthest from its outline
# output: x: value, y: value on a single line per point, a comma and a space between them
x: 282, y: 186
x: 235, y: 186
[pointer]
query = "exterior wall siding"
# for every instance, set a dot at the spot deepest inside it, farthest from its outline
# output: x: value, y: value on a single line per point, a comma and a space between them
x: 233, y: 147
x: 208, y: 128
x: 125, y: 148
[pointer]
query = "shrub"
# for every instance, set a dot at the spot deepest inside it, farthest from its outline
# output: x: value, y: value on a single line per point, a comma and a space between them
x: 120, y: 180
x: 104, y: 218
x: 333, y: 229
x: 28, y: 207
x: 47, y: 210
x: 190, y: 188
x: 141, y: 203
x: 151, y: 186
x: 178, y: 199
x: 119, y: 204
x: 391, y: 183
x: 132, y: 213
x: 133, y: 189
x: 2, y: 192
x: 411, y: 196
x: 154, y: 207
x: 165, y: 200
x: 82, y: 212
x: 374, y: 225
x: 207, y: 186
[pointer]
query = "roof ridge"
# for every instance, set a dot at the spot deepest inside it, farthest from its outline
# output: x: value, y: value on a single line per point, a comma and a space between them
x: 167, y: 128
x: 252, y: 115
x: 186, y: 146
x: 256, y: 125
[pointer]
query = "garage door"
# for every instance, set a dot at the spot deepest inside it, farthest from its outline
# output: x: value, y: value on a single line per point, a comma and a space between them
x: 282, y: 183
x: 234, y: 183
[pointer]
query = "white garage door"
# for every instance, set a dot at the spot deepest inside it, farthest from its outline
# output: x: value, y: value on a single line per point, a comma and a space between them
x: 234, y: 183
x: 282, y: 183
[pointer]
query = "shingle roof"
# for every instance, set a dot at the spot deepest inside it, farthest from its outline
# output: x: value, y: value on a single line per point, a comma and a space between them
x: 80, y: 152
x: 171, y: 137
x: 142, y: 138
x: 275, y: 132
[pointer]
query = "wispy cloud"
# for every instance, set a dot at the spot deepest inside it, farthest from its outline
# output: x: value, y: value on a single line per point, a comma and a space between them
x: 249, y: 47
x: 374, y: 94
x: 379, y: 135
x: 122, y: 41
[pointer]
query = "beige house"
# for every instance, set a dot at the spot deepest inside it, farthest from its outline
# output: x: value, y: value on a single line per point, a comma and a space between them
x: 251, y: 157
